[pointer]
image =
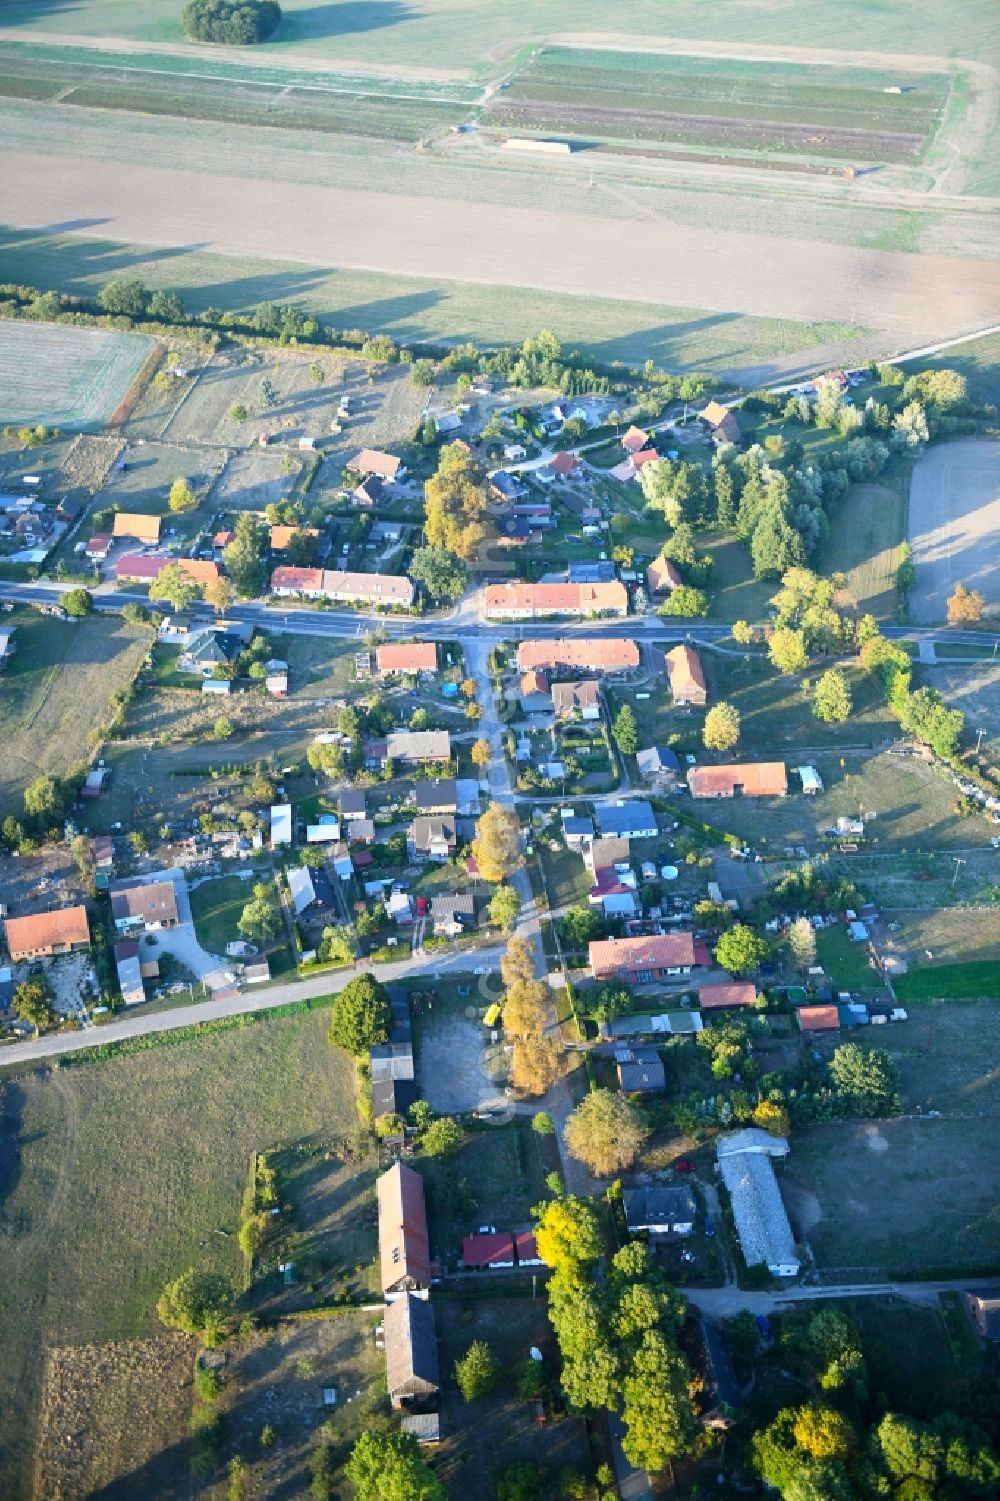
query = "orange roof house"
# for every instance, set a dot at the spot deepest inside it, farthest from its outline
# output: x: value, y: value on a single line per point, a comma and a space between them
x: 644, y: 456
x: 404, y: 1250
x: 687, y: 680
x: 133, y: 524
x: 406, y: 656
x: 751, y: 779
x: 818, y: 1019
x: 579, y: 653
x: 649, y: 957
x: 736, y: 993
x: 524, y: 601
x: 46, y: 933
x: 286, y: 580
x: 136, y: 567
x: 635, y: 440
x: 374, y: 461
x: 564, y: 464
x: 714, y: 413
x: 662, y: 576
x: 533, y: 682
x: 282, y: 535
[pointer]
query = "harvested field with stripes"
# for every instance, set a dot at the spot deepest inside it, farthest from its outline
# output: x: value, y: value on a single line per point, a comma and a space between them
x: 66, y: 377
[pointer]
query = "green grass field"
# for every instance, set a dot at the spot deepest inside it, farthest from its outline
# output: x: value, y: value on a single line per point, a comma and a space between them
x: 979, y: 362
x: 865, y: 542
x: 216, y: 907
x: 845, y: 962
x: 57, y: 690
x: 117, y: 1175
x: 950, y: 982
x: 66, y: 377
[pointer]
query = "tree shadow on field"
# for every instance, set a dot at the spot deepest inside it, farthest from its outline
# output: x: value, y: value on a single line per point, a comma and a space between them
x: 342, y: 19
x: 77, y: 265
x: 167, y: 1476
x: 661, y: 340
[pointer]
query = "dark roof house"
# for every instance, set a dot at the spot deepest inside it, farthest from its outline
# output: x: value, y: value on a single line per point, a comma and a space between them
x: 411, y: 1356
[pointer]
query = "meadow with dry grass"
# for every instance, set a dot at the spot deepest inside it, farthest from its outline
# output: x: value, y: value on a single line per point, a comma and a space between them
x: 117, y: 1175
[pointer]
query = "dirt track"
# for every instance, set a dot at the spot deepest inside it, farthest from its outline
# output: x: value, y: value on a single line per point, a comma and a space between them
x: 955, y: 525
x: 908, y: 297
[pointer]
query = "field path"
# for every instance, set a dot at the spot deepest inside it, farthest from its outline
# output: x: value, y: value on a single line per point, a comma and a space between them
x: 908, y: 297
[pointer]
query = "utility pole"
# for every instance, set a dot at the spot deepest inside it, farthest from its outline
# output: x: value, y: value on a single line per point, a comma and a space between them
x: 958, y: 863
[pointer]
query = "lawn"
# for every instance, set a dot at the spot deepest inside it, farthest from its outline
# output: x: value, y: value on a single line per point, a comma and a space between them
x: 865, y: 543
x: 217, y: 906
x: 950, y: 982
x: 567, y: 880
x: 776, y: 710
x: 119, y: 1174
x: 736, y: 594
x: 66, y: 377
x: 846, y: 962
x: 57, y: 693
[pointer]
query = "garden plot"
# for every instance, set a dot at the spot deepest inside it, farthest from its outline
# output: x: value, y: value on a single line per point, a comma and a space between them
x: 254, y: 479
x: 66, y: 377
x: 301, y: 407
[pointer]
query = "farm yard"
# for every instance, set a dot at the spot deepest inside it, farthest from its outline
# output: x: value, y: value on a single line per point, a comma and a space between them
x: 954, y: 525
x: 144, y: 486
x: 58, y: 691
x: 66, y: 377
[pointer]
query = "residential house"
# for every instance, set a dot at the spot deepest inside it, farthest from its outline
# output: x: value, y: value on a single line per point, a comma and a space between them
x: 411, y: 1357
x: 662, y: 576
x: 208, y: 649
x: 812, y: 782
x: 415, y: 747
x: 610, y: 852
x: 177, y: 630
x: 399, y: 908
x: 104, y: 852
x: 417, y: 657
x: 386, y: 466
x: 635, y: 440
x: 129, y: 969
x: 281, y: 536
x: 431, y: 838
x: 630, y: 819
x: 649, y: 958
x: 43, y: 934
x: 728, y: 431
x: 579, y: 700
x: 657, y: 761
x: 818, y: 1019
x: 514, y: 452
x: 394, y: 1088
x: 146, y: 908
x: 735, y: 993
x: 138, y: 568
x: 453, y: 914
x: 366, y: 589
x: 660, y: 1210
x: 579, y: 654
x: 713, y: 414
x: 370, y: 494
x: 68, y: 509
x: 404, y: 1251
x: 578, y: 831
x: 136, y: 527
x: 526, y: 1249
x: 746, y: 1164
x: 600, y: 572
x: 516, y: 600
x: 327, y: 831
x: 535, y: 693
x: 437, y: 795
x: 640, y: 1070
x: 614, y: 892
x: 664, y: 1024
x: 488, y: 1250
x: 506, y: 487
x: 222, y: 539
x: 425, y: 1427
x: 281, y: 824
x: 352, y: 803
x: 276, y: 678
x: 361, y: 831
x: 305, y: 887
x: 98, y: 547
x: 748, y: 779
x: 687, y: 678
x: 984, y: 1306
x: 564, y: 466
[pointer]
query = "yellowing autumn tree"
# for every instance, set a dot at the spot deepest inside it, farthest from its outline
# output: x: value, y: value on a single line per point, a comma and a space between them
x: 455, y: 503
x: 534, y: 1065
x: 496, y: 848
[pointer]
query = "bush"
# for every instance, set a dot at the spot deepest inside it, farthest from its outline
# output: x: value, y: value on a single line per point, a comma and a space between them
x: 235, y: 22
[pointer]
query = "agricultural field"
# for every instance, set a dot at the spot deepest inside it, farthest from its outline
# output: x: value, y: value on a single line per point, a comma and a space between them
x: 112, y: 1411
x: 975, y: 689
x: 839, y: 1177
x: 978, y: 361
x: 954, y: 525
x: 146, y: 1154
x: 58, y: 691
x: 722, y: 108
x: 66, y: 377
x: 180, y: 84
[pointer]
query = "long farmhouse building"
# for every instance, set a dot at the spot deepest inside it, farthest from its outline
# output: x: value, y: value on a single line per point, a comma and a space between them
x: 345, y: 588
x: 520, y: 601
x: 579, y: 654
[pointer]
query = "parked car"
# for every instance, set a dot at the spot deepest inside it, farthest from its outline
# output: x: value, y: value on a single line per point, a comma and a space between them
x: 685, y: 1165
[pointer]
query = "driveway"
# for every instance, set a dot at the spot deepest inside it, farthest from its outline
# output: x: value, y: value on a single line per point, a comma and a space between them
x: 182, y: 942
x: 458, y: 1068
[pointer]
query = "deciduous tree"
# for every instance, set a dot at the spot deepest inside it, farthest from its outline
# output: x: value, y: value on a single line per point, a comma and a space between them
x: 196, y: 1303
x: 605, y: 1132
x: 386, y: 1465
x: 176, y: 586
x: 741, y: 950
x: 505, y: 904
x: 260, y: 918
x: 534, y: 1065
x: 442, y: 572
x: 78, y: 602
x: 361, y: 1016
x: 625, y: 731
x: 722, y: 727
x: 496, y: 848
x: 802, y: 942
x: 182, y: 496
x: 477, y: 1372
x: 832, y: 697
x: 965, y: 606
x: 787, y: 650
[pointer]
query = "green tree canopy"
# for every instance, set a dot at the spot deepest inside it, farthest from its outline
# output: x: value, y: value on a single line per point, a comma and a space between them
x: 505, y: 904
x: 78, y: 602
x: 236, y: 23
x: 386, y: 1465
x: 361, y: 1016
x: 477, y: 1371
x: 741, y: 950
x: 605, y: 1131
x: 866, y: 1078
x: 625, y: 731
x: 196, y: 1302
x: 832, y: 697
x: 260, y: 918
x: 441, y: 572
x: 176, y: 586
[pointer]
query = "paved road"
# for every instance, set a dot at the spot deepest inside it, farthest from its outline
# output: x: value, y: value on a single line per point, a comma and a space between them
x: 718, y: 1303
x: 326, y: 983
